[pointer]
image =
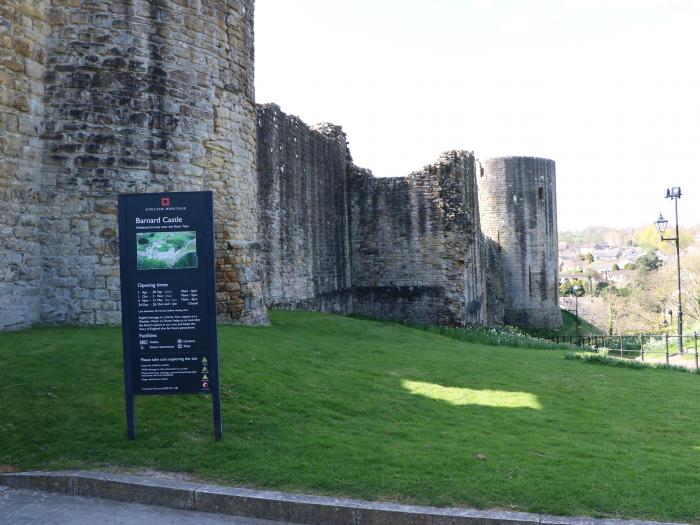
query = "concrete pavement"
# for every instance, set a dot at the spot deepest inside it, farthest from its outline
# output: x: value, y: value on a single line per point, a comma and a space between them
x: 31, y: 507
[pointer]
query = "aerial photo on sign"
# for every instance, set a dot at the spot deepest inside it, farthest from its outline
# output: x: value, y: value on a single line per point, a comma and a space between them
x: 166, y: 250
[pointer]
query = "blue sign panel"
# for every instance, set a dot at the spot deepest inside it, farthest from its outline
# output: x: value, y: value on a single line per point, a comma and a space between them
x: 166, y: 247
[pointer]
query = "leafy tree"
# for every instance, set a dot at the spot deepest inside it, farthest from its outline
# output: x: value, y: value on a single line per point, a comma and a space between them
x: 587, y: 257
x: 572, y: 287
x: 600, y: 287
x: 648, y: 238
x: 565, y: 288
x: 649, y: 262
x: 630, y: 266
x: 615, y: 268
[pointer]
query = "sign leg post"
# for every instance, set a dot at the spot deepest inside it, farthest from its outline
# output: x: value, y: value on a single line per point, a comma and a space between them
x: 130, y: 417
x: 216, y: 402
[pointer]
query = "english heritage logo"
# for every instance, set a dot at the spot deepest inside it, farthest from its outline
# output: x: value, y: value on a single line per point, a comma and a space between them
x: 164, y: 202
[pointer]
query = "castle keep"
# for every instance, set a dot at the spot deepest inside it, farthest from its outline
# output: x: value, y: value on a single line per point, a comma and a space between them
x: 104, y: 97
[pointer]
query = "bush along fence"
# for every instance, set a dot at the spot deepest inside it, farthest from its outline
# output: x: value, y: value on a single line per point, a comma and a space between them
x: 646, y: 347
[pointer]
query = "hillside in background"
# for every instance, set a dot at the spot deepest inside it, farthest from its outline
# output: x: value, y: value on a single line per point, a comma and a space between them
x: 644, y: 236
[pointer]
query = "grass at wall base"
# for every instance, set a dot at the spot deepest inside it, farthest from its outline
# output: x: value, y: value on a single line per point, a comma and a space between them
x: 332, y: 405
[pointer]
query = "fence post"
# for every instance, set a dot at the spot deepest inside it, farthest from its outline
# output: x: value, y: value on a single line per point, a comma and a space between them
x: 641, y: 346
x: 666, y: 348
x: 695, y: 338
x: 622, y: 344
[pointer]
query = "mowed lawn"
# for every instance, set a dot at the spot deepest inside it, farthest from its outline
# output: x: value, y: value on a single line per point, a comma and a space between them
x: 332, y: 405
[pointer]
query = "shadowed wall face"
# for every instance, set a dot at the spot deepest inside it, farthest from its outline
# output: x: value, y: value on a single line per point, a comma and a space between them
x: 417, y: 250
x: 335, y: 238
x: 303, y: 213
x: 517, y: 198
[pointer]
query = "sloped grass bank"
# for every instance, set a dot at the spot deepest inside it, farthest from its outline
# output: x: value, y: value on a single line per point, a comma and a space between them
x: 332, y: 405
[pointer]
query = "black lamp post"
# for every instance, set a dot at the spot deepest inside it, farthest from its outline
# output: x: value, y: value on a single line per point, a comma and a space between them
x: 577, y: 289
x: 661, y: 224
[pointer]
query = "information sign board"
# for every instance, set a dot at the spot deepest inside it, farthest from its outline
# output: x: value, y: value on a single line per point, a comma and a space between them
x: 166, y: 249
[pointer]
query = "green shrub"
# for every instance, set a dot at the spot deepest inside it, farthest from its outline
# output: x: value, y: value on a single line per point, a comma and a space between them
x: 610, y: 360
x: 500, y: 336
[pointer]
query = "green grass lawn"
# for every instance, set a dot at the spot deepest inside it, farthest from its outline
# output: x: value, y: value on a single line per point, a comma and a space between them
x: 333, y: 405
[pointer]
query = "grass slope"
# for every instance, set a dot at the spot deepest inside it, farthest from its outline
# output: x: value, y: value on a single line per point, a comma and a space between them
x: 333, y: 405
x: 568, y: 327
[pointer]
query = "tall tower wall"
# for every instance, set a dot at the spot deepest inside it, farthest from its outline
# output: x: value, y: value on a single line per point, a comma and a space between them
x: 304, y: 231
x: 517, y: 200
x: 23, y: 54
x: 137, y: 95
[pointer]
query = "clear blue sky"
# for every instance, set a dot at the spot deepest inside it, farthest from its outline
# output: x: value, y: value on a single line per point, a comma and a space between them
x: 609, y: 89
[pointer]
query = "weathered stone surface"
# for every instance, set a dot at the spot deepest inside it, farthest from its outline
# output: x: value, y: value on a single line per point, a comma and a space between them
x: 108, y: 118
x: 167, y: 493
x: 335, y: 238
x: 22, y: 198
x: 99, y: 98
x: 519, y: 214
x: 304, y: 229
x: 417, y: 250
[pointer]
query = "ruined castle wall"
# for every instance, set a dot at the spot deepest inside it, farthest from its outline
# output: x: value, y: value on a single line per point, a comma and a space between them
x: 517, y: 199
x: 495, y: 284
x: 417, y: 251
x: 23, y: 43
x: 303, y: 213
x: 143, y: 96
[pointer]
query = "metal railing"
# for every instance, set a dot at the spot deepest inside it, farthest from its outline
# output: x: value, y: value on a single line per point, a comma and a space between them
x: 643, y: 346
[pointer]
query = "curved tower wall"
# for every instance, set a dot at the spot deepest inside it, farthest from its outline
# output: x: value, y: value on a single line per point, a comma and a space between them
x: 517, y: 201
x: 23, y: 42
x: 136, y: 96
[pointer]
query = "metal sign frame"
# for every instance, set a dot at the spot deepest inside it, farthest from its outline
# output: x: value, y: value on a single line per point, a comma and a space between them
x: 168, y: 298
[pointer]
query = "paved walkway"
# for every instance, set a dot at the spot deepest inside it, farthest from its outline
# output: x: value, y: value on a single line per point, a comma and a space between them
x: 28, y: 507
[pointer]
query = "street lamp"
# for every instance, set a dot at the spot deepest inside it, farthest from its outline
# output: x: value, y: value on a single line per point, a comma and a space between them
x: 661, y: 224
x: 577, y: 291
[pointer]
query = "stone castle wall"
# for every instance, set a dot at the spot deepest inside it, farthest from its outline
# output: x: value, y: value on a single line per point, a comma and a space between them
x: 517, y: 198
x: 137, y: 95
x: 304, y: 234
x: 335, y: 238
x: 103, y: 97
x: 417, y: 250
x: 24, y: 33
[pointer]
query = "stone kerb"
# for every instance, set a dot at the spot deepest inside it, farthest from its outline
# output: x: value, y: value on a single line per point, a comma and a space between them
x: 260, y: 504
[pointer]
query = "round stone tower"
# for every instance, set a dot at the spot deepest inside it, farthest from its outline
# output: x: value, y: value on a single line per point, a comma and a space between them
x: 518, y: 206
x: 123, y: 96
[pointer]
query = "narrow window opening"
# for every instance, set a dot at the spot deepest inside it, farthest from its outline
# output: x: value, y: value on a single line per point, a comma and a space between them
x: 540, y: 192
x: 529, y: 279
